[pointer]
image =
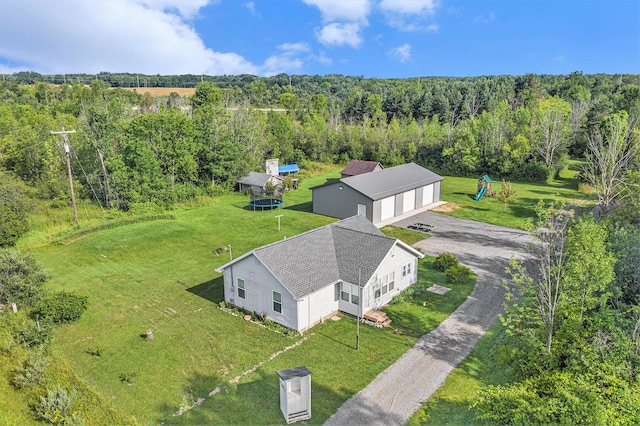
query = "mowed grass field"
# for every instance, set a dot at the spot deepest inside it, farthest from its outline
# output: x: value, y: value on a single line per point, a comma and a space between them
x: 460, y: 193
x: 204, y: 363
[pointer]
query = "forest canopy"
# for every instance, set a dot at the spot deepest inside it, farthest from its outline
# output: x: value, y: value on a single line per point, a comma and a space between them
x: 132, y: 148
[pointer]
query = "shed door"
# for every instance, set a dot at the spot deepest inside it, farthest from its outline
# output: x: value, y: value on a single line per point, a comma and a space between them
x: 427, y: 194
x: 409, y: 201
x: 387, y: 207
x: 362, y: 210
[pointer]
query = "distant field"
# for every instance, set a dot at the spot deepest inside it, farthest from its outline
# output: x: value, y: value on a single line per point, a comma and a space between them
x: 163, y: 91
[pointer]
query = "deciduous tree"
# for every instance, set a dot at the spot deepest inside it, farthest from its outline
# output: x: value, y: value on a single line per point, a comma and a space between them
x: 611, y: 151
x: 550, y: 129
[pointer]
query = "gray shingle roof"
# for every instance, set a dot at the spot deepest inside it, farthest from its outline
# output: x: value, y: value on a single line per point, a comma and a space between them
x: 391, y: 181
x: 255, y: 179
x: 340, y: 251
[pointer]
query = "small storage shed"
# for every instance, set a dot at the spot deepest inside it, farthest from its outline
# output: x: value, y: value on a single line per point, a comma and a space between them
x: 257, y: 182
x: 295, y: 393
x: 287, y: 169
x: 358, y: 167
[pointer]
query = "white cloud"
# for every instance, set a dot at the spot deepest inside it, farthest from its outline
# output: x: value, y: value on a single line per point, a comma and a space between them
x: 251, y: 6
x: 409, y: 7
x: 322, y: 59
x: 402, y: 53
x: 485, y: 19
x: 287, y: 60
x: 338, y: 34
x: 295, y: 47
x: 186, y: 8
x: 409, y: 15
x: 433, y: 28
x: 342, y: 10
x: 145, y: 36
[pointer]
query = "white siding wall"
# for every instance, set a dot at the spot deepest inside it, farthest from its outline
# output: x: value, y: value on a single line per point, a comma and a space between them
x: 259, y: 287
x: 391, y: 263
x: 314, y: 307
x: 388, y: 207
x: 409, y: 201
x: 427, y: 194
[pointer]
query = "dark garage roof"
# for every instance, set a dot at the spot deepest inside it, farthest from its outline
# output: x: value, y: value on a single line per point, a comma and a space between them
x: 358, y: 167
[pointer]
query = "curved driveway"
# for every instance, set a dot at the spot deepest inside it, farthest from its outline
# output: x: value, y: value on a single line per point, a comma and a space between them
x: 396, y: 393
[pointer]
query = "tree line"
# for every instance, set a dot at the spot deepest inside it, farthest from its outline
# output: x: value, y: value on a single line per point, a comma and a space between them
x: 133, y: 150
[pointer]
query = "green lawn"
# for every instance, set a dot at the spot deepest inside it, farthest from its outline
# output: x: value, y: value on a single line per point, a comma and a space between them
x: 461, y: 191
x: 427, y: 310
x: 160, y: 275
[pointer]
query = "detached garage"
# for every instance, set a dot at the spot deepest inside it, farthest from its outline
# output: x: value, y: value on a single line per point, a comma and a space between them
x: 383, y: 197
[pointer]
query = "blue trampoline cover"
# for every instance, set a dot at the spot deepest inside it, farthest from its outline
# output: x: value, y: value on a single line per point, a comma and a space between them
x: 288, y: 168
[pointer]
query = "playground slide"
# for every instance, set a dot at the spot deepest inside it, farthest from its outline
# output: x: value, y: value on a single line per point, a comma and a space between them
x: 480, y: 194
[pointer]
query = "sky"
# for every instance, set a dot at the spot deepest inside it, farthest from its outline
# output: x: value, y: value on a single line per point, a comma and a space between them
x: 369, y: 38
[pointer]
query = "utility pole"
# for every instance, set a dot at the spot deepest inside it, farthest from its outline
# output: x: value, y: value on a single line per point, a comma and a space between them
x: 359, y: 311
x: 65, y: 137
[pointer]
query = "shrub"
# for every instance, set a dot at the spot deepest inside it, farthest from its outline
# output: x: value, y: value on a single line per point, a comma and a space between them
x: 14, y: 210
x: 128, y: 378
x: 33, y: 369
x: 32, y: 333
x: 445, y: 261
x: 61, y: 307
x: 56, y: 407
x: 457, y: 274
x: 533, y: 172
x: 21, y: 278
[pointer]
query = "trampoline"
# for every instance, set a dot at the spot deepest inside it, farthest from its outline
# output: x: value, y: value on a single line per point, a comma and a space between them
x: 266, y: 203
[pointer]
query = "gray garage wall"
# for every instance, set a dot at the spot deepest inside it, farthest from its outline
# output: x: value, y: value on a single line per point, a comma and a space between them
x: 330, y: 200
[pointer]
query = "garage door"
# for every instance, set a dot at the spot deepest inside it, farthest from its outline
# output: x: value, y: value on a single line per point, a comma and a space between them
x: 409, y: 201
x: 427, y: 194
x: 388, y: 207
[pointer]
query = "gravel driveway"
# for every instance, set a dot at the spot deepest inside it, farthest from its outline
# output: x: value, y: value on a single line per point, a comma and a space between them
x: 396, y: 393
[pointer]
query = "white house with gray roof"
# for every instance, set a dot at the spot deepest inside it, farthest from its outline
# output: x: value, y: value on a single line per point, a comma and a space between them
x: 383, y: 197
x: 348, y: 266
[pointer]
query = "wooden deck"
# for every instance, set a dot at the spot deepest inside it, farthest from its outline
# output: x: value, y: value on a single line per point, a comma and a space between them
x: 378, y: 317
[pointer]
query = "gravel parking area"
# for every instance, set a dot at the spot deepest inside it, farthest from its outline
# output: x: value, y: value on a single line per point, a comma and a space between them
x: 393, y: 396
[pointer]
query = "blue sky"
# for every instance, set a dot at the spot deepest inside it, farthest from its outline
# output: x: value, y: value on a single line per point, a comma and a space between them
x: 370, y: 38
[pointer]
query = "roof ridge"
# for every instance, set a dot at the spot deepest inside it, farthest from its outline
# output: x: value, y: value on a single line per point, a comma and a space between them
x: 285, y: 239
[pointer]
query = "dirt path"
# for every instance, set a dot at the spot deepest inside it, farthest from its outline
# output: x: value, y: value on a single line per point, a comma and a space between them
x: 396, y: 393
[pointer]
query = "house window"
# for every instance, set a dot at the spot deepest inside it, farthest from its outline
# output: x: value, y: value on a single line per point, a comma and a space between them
x: 344, y: 295
x: 385, y: 284
x: 350, y: 293
x: 277, y: 302
x: 241, y: 292
x: 406, y: 269
x: 392, y: 276
x: 355, y: 298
